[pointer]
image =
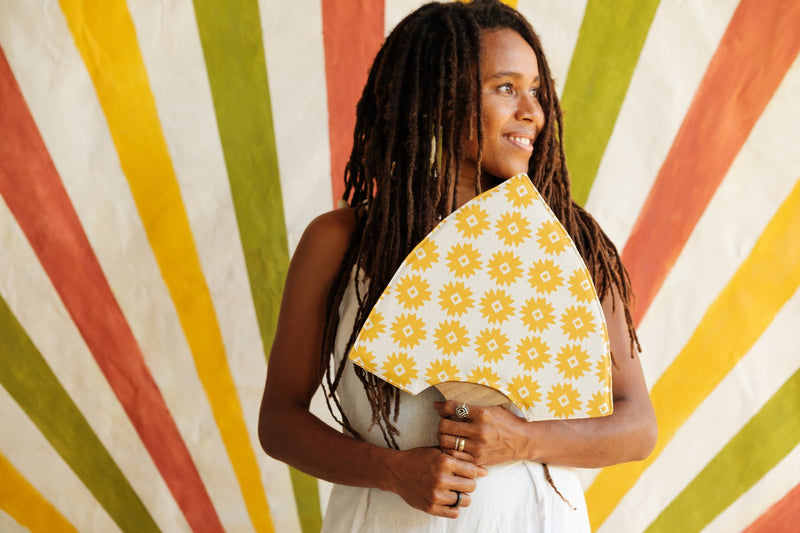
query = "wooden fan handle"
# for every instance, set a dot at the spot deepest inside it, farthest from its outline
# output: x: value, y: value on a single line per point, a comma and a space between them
x: 472, y: 393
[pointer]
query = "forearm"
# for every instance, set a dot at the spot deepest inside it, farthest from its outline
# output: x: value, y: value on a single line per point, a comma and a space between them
x: 626, y: 435
x: 300, y: 439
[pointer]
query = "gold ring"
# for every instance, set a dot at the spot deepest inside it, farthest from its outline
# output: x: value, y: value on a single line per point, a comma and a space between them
x: 460, y: 442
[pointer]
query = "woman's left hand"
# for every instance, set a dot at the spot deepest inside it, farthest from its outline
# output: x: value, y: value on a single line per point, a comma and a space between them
x: 492, y: 435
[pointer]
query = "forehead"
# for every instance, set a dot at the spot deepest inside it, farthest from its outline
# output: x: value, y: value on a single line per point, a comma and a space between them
x: 505, y: 50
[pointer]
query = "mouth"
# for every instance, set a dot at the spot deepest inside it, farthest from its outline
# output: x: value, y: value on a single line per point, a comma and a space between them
x: 521, y: 141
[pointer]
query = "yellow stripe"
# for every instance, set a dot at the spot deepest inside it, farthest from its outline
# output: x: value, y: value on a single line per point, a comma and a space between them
x: 735, y: 320
x: 24, y: 504
x: 107, y: 41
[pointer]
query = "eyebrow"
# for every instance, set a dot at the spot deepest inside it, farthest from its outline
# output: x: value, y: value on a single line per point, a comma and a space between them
x: 510, y: 74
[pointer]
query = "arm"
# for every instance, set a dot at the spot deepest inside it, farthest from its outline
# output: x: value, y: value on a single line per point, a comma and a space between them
x: 495, y: 435
x: 289, y: 432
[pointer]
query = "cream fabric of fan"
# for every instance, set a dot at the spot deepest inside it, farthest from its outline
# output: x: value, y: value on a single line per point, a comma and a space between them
x: 496, y: 294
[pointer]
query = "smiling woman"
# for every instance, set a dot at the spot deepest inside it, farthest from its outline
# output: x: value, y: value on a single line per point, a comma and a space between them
x: 511, y: 114
x: 458, y: 100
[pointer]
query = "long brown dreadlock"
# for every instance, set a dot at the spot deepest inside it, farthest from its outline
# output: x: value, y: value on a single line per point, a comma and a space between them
x: 422, y: 94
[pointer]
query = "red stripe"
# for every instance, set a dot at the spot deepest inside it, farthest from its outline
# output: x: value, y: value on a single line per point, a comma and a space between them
x: 352, y: 33
x: 757, y: 49
x: 32, y: 188
x: 783, y: 517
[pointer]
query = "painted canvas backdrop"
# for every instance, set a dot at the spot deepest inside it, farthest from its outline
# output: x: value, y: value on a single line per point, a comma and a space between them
x: 160, y: 160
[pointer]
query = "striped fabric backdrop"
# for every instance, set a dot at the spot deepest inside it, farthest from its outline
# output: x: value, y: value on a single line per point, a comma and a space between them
x: 159, y: 161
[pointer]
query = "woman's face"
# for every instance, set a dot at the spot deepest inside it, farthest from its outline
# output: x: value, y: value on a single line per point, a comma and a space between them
x: 512, y: 116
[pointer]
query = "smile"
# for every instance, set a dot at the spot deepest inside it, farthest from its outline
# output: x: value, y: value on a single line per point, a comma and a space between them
x: 523, y: 141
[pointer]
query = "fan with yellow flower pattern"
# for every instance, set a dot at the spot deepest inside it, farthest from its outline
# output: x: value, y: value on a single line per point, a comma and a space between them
x: 496, y: 295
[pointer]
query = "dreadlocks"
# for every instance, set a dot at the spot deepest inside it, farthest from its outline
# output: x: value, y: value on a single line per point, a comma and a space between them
x: 422, y: 94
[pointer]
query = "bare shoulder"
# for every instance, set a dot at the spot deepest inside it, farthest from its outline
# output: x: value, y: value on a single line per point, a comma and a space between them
x: 327, y: 236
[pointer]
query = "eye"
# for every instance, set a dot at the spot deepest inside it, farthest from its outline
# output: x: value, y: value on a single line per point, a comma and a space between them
x: 535, y: 92
x: 505, y: 88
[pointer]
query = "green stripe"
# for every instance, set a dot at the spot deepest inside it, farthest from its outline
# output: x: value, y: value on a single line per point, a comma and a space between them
x: 760, y: 445
x: 31, y: 382
x: 237, y: 72
x: 609, y: 43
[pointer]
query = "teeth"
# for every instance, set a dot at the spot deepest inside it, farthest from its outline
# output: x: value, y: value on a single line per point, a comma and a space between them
x: 521, y: 140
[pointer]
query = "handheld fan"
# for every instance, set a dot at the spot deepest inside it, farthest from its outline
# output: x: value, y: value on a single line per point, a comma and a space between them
x: 497, y: 295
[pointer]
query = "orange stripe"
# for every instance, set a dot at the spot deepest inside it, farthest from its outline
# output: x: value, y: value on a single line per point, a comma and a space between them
x: 783, y: 517
x: 753, y: 56
x: 348, y: 56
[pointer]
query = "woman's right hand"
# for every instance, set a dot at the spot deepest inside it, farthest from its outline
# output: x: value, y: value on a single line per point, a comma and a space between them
x: 427, y: 479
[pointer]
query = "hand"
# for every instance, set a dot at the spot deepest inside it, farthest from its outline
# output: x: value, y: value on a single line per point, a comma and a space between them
x: 427, y: 480
x: 493, y: 435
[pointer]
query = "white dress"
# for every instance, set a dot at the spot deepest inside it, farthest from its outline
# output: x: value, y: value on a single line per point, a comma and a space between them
x: 514, y: 498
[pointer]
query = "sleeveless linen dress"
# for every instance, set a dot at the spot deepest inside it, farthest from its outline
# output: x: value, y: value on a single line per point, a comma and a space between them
x: 514, y: 498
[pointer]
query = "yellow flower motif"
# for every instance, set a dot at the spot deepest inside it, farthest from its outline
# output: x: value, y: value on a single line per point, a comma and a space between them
x: 576, y: 322
x: 451, y: 337
x: 505, y: 268
x: 463, y: 260
x: 552, y: 237
x: 563, y: 400
x: 603, y: 372
x: 399, y: 369
x: 524, y: 389
x: 472, y: 221
x: 372, y: 328
x: 363, y: 357
x: 512, y: 228
x: 521, y: 195
x: 408, y: 331
x: 537, y: 314
x: 424, y: 255
x: 572, y: 361
x: 440, y: 371
x: 485, y: 376
x: 545, y: 276
x: 412, y: 291
x: 455, y: 298
x: 492, y: 345
x: 581, y: 286
x: 599, y: 405
x: 497, y: 306
x: 533, y: 353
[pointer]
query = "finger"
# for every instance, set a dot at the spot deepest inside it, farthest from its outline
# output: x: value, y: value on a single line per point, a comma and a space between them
x: 461, y: 456
x: 467, y: 469
x: 455, y: 410
x: 449, y: 441
x: 456, y: 428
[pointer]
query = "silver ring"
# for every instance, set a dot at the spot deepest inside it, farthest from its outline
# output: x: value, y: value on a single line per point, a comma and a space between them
x: 459, y: 445
x: 462, y: 411
x: 458, y: 499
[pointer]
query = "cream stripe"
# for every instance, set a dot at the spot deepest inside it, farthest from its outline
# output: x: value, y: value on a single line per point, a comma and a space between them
x: 34, y: 302
x: 33, y: 457
x: 396, y: 10
x: 9, y: 525
x: 294, y: 53
x: 759, y: 180
x: 296, y: 69
x: 736, y: 399
x: 761, y: 496
x: 558, y: 25
x: 682, y: 39
x: 75, y: 132
x: 178, y: 79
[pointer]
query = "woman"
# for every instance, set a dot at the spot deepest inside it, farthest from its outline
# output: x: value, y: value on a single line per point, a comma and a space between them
x: 458, y: 98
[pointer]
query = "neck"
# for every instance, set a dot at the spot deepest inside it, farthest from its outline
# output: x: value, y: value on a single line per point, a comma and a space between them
x: 465, y: 190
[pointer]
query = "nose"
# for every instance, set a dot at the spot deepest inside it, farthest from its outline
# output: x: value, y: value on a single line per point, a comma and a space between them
x: 529, y: 108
